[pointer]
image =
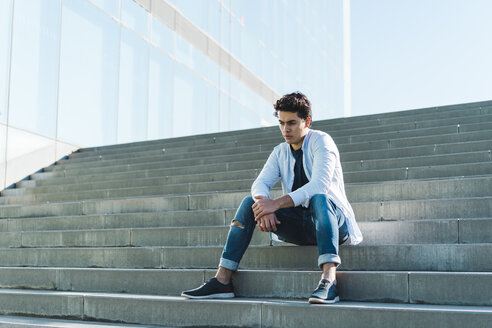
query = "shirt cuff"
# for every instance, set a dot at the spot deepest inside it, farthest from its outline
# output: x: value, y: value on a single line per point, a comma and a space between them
x: 300, y: 197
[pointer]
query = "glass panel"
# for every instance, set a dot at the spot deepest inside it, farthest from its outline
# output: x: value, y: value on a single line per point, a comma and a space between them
x: 212, y: 71
x: 112, y: 7
x: 161, y: 93
x: 35, y: 62
x: 189, y: 100
x: 162, y: 36
x: 214, y: 19
x: 183, y: 51
x: 224, y: 80
x: 266, y: 113
x: 5, y: 29
x: 135, y: 17
x: 237, y: 32
x: 88, y: 98
x: 3, y: 148
x: 241, y: 118
x: 225, y: 24
x: 212, y: 109
x: 134, y: 80
x: 224, y: 123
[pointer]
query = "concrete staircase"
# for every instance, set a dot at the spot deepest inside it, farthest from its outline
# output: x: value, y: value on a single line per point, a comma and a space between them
x: 110, y: 236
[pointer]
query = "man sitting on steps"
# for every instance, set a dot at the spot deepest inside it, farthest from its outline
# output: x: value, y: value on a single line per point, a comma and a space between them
x: 314, y: 209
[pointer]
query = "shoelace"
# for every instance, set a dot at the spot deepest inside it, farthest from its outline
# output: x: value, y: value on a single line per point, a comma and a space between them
x: 323, y: 283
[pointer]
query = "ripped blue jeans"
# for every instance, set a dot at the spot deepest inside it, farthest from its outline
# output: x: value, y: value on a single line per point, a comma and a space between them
x: 321, y: 224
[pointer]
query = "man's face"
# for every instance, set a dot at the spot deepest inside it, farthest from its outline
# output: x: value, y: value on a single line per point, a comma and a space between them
x: 293, y: 128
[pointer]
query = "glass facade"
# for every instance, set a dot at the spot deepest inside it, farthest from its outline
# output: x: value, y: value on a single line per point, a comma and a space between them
x: 79, y: 73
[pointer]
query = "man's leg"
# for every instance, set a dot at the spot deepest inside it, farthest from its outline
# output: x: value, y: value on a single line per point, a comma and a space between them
x: 238, y: 239
x: 331, y: 230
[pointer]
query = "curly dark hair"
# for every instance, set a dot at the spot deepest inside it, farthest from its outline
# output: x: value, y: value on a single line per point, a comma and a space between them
x: 294, y: 102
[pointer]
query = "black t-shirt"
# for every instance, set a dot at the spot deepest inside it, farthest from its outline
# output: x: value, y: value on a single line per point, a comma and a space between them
x: 300, y: 178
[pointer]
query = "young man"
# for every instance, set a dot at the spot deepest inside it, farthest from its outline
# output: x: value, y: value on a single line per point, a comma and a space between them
x: 314, y: 209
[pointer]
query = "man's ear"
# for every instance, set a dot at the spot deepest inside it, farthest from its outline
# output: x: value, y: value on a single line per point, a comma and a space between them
x: 308, y: 122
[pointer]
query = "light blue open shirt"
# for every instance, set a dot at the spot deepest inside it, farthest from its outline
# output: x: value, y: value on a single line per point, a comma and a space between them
x: 322, y: 167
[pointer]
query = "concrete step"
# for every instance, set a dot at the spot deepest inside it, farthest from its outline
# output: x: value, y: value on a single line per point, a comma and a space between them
x: 249, y: 312
x: 268, y: 141
x: 101, y: 161
x: 434, y: 149
x: 118, y: 221
x: 420, y: 172
x: 95, y: 183
x: 436, y: 231
x: 412, y: 257
x: 21, y: 322
x: 368, y: 286
x: 257, y: 160
x: 209, y: 172
x: 390, y: 210
x: 389, y: 190
x: 363, y: 146
x: 135, y: 178
x: 330, y: 125
x: 173, y: 189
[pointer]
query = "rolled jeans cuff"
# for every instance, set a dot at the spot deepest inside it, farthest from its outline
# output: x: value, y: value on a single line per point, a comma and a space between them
x: 328, y: 258
x: 228, y: 264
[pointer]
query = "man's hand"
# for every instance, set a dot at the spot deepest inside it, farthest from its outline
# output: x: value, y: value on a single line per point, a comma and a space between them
x: 264, y: 206
x: 268, y: 223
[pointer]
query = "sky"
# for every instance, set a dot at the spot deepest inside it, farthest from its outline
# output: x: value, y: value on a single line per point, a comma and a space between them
x: 420, y: 53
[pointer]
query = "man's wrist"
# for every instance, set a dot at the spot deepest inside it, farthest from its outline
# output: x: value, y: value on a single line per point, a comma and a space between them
x: 283, y: 202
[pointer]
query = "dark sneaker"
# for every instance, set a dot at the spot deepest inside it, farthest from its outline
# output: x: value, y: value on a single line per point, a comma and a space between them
x: 325, y: 293
x: 211, y: 289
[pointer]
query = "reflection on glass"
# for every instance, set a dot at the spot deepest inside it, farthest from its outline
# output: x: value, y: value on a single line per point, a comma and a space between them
x: 161, y: 93
x: 224, y: 123
x: 133, y: 92
x: 212, y: 107
x: 3, y: 147
x: 112, y: 7
x: 241, y: 118
x: 88, y: 97
x: 213, y: 27
x: 34, y: 71
x: 188, y: 102
x: 135, y: 17
x: 5, y: 24
x: 162, y: 36
x: 183, y: 51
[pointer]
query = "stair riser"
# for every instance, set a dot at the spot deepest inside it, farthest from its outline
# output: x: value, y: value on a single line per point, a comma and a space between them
x: 116, y: 221
x: 176, y: 312
x: 453, y: 188
x: 227, y: 146
x: 465, y: 116
x: 399, y: 287
x: 463, y: 257
x: 187, y: 160
x: 375, y: 233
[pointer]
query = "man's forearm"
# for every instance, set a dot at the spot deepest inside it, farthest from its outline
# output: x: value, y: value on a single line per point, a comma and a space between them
x: 284, y: 201
x: 264, y: 206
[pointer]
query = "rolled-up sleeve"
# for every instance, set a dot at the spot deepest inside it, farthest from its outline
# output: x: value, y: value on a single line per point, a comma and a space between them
x: 324, y: 163
x: 268, y: 176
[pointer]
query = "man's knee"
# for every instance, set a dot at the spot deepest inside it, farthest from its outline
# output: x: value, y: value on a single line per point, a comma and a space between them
x: 236, y: 223
x: 320, y: 203
x: 243, y: 213
x: 320, y: 199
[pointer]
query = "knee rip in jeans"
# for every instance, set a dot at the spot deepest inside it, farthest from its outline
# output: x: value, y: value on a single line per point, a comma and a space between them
x: 236, y: 223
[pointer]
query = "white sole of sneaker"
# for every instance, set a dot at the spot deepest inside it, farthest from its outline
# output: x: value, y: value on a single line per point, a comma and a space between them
x: 223, y: 295
x: 313, y: 300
